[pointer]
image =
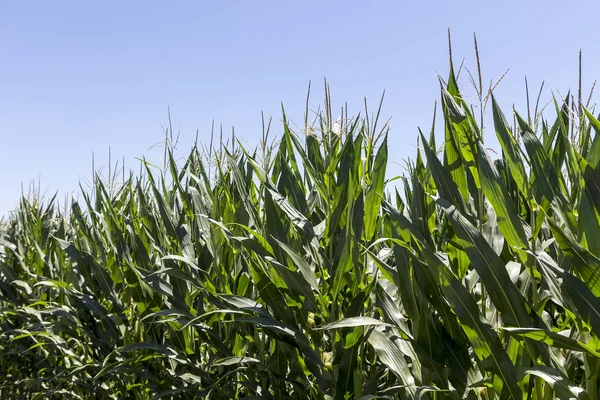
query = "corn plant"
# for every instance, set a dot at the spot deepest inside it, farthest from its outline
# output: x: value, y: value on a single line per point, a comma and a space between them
x: 297, y: 271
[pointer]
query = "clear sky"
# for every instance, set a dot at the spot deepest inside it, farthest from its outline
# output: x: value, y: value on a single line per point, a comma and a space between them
x: 78, y: 76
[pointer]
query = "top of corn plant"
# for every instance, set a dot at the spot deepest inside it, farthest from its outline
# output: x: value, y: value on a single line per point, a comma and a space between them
x: 293, y: 273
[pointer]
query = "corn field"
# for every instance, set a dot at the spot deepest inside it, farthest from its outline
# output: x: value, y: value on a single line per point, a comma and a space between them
x: 298, y: 271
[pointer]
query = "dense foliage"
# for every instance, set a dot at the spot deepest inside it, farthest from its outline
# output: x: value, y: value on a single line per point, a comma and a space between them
x: 298, y: 272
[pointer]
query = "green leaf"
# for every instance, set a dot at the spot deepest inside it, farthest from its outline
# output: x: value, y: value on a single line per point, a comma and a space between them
x: 375, y: 191
x: 392, y: 357
x: 552, y: 339
x: 504, y: 294
x: 299, y: 262
x: 352, y: 322
x: 587, y: 266
x: 580, y: 298
x: 444, y: 181
x: 562, y: 386
x: 509, y: 222
x: 510, y: 148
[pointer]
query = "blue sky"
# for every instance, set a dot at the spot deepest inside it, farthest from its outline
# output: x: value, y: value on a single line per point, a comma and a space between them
x: 80, y: 77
